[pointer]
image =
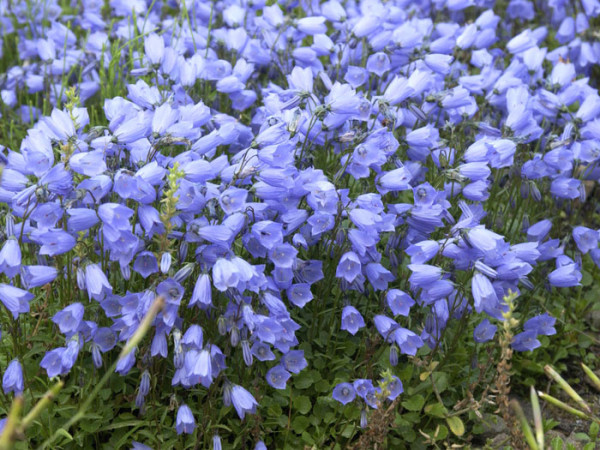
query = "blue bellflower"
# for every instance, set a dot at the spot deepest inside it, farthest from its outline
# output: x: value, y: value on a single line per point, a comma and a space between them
x: 344, y: 393
x: 352, y: 320
x: 243, y: 401
x: 185, y: 422
x: 12, y: 381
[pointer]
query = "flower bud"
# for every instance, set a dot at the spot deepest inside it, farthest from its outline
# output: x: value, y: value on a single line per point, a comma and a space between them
x: 235, y: 336
x: 525, y: 225
x: 184, y: 272
x: 80, y: 279
x: 145, y: 383
x: 10, y: 225
x: 126, y: 272
x: 165, y: 262
x: 178, y: 358
x: 227, y: 394
x: 535, y: 192
x: 183, y: 251
x: 394, y: 355
x: 96, y: 355
x: 247, y: 352
x: 139, y: 400
x: 524, y: 190
x: 222, y: 325
x: 216, y: 442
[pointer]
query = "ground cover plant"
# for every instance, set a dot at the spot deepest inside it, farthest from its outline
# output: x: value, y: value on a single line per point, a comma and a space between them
x: 294, y: 224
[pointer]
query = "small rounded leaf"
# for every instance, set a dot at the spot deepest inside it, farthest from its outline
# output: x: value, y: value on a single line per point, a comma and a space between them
x: 456, y: 425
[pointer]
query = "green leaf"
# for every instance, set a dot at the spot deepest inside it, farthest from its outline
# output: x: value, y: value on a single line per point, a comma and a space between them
x: 456, y: 425
x: 274, y: 411
x: 305, y: 379
x: 123, y: 424
x: 348, y: 431
x: 282, y: 420
x: 584, y: 341
x: 594, y: 429
x: 414, y: 403
x: 400, y: 421
x: 478, y: 428
x: 442, y: 433
x: 412, y: 417
x: 582, y: 437
x: 329, y: 417
x: 351, y: 411
x: 322, y: 386
x: 64, y: 433
x: 556, y: 444
x: 441, y: 381
x: 105, y: 394
x: 408, y: 434
x: 299, y: 424
x: 319, y: 362
x: 406, y: 372
x: 302, y: 404
x: 117, y: 384
x: 586, y: 278
x: 90, y: 426
x: 436, y: 410
x: 307, y: 438
x: 561, y: 353
x: 302, y: 381
x: 281, y: 400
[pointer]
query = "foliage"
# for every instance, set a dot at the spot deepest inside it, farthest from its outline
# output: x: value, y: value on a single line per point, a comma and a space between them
x: 293, y: 224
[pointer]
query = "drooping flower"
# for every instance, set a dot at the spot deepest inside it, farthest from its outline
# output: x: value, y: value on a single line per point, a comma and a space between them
x: 299, y: 294
x: 12, y: 381
x: 243, y: 401
x: 10, y: 258
x: 14, y: 299
x: 185, y: 422
x: 585, y: 238
x: 352, y: 320
x: 567, y: 275
x: 399, y: 302
x: 35, y: 276
x: 484, y: 295
x: 349, y: 267
x: 96, y: 283
x: 145, y: 264
x: 69, y: 318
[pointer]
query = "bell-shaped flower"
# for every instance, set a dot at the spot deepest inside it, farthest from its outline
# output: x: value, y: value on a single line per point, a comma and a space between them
x: 185, y: 422
x: 243, y: 401
x: 277, y: 377
x: 12, y: 381
x: 352, y: 320
x: 14, y: 299
x: 69, y: 319
x: 344, y: 393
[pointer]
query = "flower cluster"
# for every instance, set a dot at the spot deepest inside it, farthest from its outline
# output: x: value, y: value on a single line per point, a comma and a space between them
x: 364, y: 389
x: 261, y: 170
